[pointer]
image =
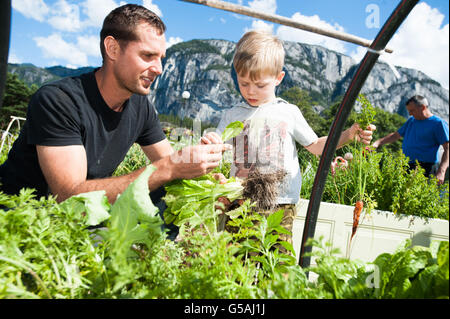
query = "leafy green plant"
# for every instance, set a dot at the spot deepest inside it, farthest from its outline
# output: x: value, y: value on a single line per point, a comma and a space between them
x: 366, y: 115
x: 414, y: 272
x: 193, y: 202
x: 260, y: 238
x: 45, y: 252
x: 409, y: 192
x: 134, y: 159
x: 232, y: 130
x: 48, y: 249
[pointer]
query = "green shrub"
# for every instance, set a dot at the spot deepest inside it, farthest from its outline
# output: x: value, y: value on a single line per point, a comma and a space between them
x: 390, y: 185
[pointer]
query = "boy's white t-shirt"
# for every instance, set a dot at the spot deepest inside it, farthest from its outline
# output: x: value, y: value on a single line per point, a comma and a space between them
x: 268, y: 142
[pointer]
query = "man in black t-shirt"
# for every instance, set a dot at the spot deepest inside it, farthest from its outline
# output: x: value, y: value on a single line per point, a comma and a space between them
x: 79, y: 129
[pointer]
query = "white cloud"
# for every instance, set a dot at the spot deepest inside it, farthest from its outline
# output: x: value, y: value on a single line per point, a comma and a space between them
x: 13, y: 58
x: 266, y: 6
x: 55, y: 47
x: 297, y: 35
x: 422, y: 43
x: 173, y: 40
x: 65, y: 16
x: 153, y: 7
x: 260, y: 25
x: 97, y: 10
x: 35, y: 9
x: 89, y: 44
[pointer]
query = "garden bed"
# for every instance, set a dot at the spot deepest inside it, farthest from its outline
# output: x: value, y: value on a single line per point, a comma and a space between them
x: 378, y: 232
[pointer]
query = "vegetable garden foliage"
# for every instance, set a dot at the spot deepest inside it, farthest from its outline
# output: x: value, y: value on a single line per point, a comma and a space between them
x: 382, y: 180
x: 389, y: 185
x: 48, y: 251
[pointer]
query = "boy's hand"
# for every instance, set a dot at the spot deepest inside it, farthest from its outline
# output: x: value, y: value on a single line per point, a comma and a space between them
x: 220, y: 177
x: 363, y: 136
x: 211, y: 138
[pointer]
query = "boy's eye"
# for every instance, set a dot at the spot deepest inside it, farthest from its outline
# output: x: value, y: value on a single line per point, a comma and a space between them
x: 260, y: 86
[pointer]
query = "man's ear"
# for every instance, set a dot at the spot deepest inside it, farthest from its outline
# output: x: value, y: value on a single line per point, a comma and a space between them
x: 112, y: 47
x: 280, y: 77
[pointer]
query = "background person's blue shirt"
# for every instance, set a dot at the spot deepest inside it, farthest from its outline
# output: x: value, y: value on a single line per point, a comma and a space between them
x: 422, y: 138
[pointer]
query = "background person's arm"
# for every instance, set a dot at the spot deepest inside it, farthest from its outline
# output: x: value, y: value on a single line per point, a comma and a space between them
x: 390, y: 138
x: 440, y: 174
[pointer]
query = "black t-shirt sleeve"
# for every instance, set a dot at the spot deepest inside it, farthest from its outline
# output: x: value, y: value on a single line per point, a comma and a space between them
x: 152, y: 132
x: 53, y: 119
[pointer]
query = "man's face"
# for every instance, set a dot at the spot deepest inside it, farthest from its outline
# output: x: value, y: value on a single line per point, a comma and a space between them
x: 140, y: 62
x: 415, y: 111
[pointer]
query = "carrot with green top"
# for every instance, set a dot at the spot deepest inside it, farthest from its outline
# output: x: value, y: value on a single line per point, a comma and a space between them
x: 356, y: 214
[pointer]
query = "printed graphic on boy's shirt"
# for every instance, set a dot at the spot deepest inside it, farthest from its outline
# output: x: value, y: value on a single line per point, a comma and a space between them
x: 261, y: 145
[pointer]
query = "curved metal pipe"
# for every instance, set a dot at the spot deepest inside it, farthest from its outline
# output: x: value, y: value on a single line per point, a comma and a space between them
x: 5, y: 26
x: 387, y: 31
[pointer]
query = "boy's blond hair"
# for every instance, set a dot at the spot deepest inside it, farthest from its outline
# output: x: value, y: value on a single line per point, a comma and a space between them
x: 258, y: 53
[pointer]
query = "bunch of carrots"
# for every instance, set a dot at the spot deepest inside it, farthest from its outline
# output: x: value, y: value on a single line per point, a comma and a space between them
x: 364, y: 119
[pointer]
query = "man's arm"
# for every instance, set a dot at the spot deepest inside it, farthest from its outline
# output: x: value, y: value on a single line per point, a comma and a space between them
x: 390, y: 138
x: 440, y: 174
x: 65, y: 168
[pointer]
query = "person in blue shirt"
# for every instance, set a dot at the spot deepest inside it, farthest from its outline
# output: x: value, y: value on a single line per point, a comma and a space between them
x: 423, y: 133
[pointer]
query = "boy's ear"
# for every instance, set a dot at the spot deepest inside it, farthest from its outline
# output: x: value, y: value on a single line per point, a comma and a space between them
x: 280, y: 77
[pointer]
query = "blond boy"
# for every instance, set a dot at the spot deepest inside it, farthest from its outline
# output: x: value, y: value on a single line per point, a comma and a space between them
x: 272, y: 126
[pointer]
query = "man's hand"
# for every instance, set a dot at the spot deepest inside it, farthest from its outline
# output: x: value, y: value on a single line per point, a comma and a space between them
x: 440, y: 177
x: 376, y: 144
x: 390, y: 138
x: 197, y: 160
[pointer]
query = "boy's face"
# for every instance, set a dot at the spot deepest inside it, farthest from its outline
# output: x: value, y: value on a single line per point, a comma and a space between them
x: 259, y: 91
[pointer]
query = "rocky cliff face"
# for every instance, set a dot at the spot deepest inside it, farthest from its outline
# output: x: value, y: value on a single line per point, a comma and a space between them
x: 203, y: 67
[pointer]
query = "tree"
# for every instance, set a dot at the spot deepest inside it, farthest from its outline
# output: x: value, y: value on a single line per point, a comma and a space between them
x: 15, y: 101
x: 305, y: 103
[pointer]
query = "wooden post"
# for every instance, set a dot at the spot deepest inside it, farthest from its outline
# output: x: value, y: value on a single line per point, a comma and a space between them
x: 5, y: 26
x: 284, y: 21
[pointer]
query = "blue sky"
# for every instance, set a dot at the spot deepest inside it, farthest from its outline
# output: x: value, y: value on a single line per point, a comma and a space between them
x: 66, y: 32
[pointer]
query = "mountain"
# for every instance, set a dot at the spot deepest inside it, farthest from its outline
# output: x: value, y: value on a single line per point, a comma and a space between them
x: 31, y: 74
x: 203, y: 68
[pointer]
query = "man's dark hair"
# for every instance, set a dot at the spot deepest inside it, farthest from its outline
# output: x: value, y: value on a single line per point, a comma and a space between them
x: 121, y: 24
x: 418, y: 100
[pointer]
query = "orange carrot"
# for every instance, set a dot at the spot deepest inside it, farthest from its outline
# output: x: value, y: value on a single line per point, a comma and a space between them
x: 356, y: 213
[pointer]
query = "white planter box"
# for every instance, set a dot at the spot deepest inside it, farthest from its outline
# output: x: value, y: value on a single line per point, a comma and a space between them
x: 378, y: 232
